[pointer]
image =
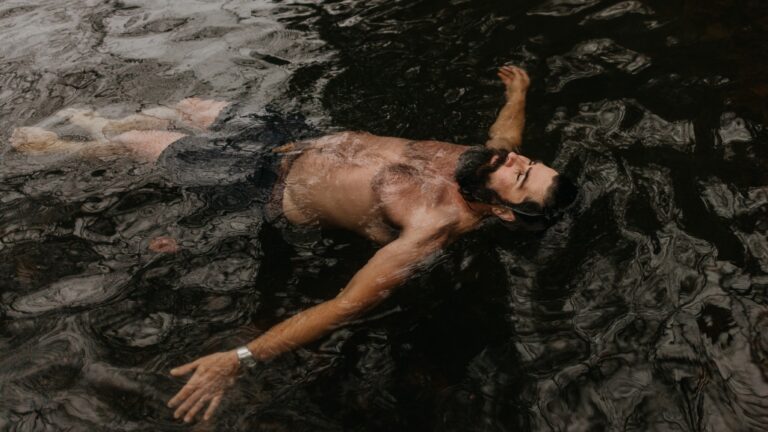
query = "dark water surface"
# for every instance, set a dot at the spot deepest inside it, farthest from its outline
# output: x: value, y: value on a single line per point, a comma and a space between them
x: 645, y: 309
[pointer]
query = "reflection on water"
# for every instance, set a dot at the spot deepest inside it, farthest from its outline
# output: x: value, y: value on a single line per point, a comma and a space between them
x: 645, y: 309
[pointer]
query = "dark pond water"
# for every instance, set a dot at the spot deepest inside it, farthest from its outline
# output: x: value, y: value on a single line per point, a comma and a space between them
x: 645, y: 309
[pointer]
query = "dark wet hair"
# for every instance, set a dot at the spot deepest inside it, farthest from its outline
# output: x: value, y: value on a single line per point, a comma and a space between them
x: 474, y: 169
x: 559, y: 195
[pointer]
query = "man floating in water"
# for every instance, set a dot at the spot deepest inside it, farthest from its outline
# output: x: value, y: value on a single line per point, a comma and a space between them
x: 411, y: 197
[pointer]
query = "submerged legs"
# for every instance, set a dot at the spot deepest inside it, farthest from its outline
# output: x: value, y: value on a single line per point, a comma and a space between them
x: 38, y: 141
x: 143, y: 135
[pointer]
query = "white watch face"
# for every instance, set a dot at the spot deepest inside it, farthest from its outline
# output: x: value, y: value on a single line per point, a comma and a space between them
x: 243, y: 353
x: 245, y: 356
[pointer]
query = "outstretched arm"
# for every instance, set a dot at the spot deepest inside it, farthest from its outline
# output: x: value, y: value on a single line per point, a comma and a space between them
x: 507, y: 131
x: 388, y: 268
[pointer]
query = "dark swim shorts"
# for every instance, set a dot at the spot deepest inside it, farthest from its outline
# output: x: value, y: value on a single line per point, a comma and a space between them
x: 235, y: 158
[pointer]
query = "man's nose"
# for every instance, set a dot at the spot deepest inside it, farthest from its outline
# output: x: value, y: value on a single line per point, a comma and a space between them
x: 512, y: 159
x: 516, y: 159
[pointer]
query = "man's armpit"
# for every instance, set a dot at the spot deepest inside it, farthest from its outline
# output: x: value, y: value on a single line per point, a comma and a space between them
x: 441, y: 234
x: 502, y: 144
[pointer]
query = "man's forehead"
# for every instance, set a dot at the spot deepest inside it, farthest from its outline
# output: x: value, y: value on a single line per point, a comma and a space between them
x: 538, y: 179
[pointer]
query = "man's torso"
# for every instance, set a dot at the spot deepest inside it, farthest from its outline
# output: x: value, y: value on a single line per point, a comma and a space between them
x: 368, y: 184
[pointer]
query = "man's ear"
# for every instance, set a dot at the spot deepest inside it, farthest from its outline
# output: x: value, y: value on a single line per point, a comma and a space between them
x: 504, y: 214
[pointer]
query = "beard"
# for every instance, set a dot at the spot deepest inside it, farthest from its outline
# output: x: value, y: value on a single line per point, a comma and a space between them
x: 472, y: 171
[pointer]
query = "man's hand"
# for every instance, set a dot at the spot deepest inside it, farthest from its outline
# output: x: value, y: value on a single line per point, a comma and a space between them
x: 213, y: 375
x: 507, y: 131
x: 515, y: 79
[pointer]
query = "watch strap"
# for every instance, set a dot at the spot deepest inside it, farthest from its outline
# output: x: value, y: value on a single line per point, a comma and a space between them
x: 245, y: 357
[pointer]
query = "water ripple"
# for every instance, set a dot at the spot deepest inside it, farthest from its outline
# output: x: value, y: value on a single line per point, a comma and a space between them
x: 644, y: 308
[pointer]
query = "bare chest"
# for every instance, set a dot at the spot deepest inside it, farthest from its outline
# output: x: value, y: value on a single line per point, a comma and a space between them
x: 364, y: 188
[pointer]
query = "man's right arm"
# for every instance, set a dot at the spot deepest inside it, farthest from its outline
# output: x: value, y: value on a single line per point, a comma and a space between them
x: 506, y: 133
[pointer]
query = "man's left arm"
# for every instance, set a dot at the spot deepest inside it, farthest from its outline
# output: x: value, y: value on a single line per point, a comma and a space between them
x: 387, y: 269
x: 506, y: 133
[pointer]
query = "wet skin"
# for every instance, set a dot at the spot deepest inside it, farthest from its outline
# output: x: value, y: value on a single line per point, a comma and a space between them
x: 398, y: 193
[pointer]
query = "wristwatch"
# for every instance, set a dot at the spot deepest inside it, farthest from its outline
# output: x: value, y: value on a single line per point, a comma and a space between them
x: 245, y: 357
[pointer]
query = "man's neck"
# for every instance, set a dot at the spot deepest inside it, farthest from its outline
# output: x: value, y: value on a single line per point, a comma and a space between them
x: 480, y: 209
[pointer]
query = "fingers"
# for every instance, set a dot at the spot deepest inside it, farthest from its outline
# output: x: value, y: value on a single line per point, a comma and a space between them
x: 515, y: 80
x: 212, y: 407
x: 189, y: 402
x: 212, y: 374
x: 194, y: 403
x: 511, y: 73
x: 198, y: 405
x: 184, y: 393
x: 514, y: 69
x: 185, y: 369
x: 508, y: 77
